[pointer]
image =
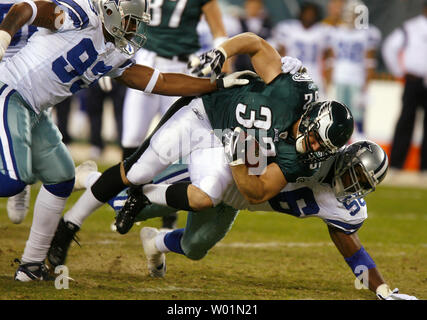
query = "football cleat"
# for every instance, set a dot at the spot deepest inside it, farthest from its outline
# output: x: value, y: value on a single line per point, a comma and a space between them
x: 18, y: 205
x: 170, y: 221
x: 33, y: 271
x: 156, y: 260
x: 82, y: 172
x: 65, y: 233
x: 134, y: 204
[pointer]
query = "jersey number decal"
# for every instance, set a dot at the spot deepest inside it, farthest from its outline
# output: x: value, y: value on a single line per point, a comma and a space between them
x: 302, y: 200
x: 76, y: 62
x: 309, y: 98
x: 263, y: 123
x: 296, y: 202
x: 156, y: 13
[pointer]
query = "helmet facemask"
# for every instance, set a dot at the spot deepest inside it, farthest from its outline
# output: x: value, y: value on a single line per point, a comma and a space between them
x: 358, y: 169
x: 352, y: 180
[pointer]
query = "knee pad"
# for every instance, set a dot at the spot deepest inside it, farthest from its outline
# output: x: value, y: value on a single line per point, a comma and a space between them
x: 62, y: 189
x: 10, y: 187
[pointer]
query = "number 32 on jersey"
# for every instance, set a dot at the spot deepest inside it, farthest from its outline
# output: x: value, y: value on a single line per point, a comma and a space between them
x: 261, y: 121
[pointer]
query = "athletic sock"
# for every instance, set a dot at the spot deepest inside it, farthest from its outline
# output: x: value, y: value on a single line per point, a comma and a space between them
x: 83, y: 208
x: 156, y: 193
x: 170, y: 241
x: 47, y: 213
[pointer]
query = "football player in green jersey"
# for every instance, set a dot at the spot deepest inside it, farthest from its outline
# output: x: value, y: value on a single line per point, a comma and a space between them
x: 187, y: 131
x: 173, y: 38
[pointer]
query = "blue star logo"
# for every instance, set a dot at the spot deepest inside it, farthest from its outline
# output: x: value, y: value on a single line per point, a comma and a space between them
x: 366, y: 145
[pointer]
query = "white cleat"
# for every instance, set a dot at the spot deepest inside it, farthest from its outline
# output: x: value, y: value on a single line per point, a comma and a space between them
x: 156, y: 260
x: 82, y: 172
x: 18, y: 205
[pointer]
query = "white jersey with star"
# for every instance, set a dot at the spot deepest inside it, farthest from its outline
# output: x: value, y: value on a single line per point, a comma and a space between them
x: 350, y: 46
x: 55, y: 65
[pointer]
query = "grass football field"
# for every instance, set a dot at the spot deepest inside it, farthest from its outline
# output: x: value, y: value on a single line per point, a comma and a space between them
x: 266, y: 256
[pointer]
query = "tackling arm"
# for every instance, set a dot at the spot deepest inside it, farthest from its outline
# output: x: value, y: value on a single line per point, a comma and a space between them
x: 170, y: 84
x: 358, y: 259
x: 349, y: 245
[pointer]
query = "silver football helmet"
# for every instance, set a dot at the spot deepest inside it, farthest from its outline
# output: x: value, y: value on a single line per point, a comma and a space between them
x: 126, y: 21
x: 359, y: 167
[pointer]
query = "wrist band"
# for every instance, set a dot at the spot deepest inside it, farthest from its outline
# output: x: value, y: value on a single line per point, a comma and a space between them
x: 34, y: 7
x: 361, y: 259
x: 218, y: 41
x: 152, y: 83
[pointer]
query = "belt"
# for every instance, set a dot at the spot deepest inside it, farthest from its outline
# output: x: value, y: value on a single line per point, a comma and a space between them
x: 181, y: 57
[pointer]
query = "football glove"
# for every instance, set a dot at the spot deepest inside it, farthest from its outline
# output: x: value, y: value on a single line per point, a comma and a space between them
x: 291, y: 65
x: 384, y: 293
x: 105, y: 84
x: 234, y: 146
x: 210, y: 62
x: 5, y: 39
x: 234, y: 79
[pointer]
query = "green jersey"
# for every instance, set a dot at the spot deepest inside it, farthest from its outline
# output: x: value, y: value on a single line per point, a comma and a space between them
x: 172, y: 29
x: 268, y: 112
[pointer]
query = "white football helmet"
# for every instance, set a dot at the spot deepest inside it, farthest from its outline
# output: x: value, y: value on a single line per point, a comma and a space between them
x: 126, y: 21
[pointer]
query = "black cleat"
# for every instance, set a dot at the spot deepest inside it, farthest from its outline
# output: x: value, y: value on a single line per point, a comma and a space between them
x: 134, y: 204
x: 65, y: 233
x: 33, y: 271
x: 170, y: 221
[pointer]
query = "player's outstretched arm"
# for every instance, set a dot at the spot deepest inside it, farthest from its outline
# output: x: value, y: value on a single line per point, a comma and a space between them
x: 265, y: 59
x: 359, y: 261
x: 150, y: 80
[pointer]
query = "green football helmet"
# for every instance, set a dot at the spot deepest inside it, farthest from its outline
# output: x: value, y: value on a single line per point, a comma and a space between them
x: 331, y: 123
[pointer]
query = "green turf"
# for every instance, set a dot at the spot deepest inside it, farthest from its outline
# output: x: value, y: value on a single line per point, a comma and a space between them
x: 265, y: 256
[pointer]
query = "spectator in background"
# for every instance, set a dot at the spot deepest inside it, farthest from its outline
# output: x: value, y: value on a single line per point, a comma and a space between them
x: 354, y: 49
x: 334, y: 15
x: 405, y: 55
x: 95, y: 99
x: 255, y: 20
x: 306, y: 39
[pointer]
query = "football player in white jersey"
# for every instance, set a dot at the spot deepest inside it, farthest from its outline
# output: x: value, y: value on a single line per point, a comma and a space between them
x: 307, y: 39
x: 17, y: 205
x: 335, y: 195
x: 354, y: 48
x: 81, y: 41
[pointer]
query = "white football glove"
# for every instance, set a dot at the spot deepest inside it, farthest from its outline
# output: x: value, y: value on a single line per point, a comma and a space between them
x: 291, y: 65
x: 5, y: 39
x: 235, y: 79
x: 384, y: 293
x: 234, y: 146
x: 210, y: 62
x: 105, y: 84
